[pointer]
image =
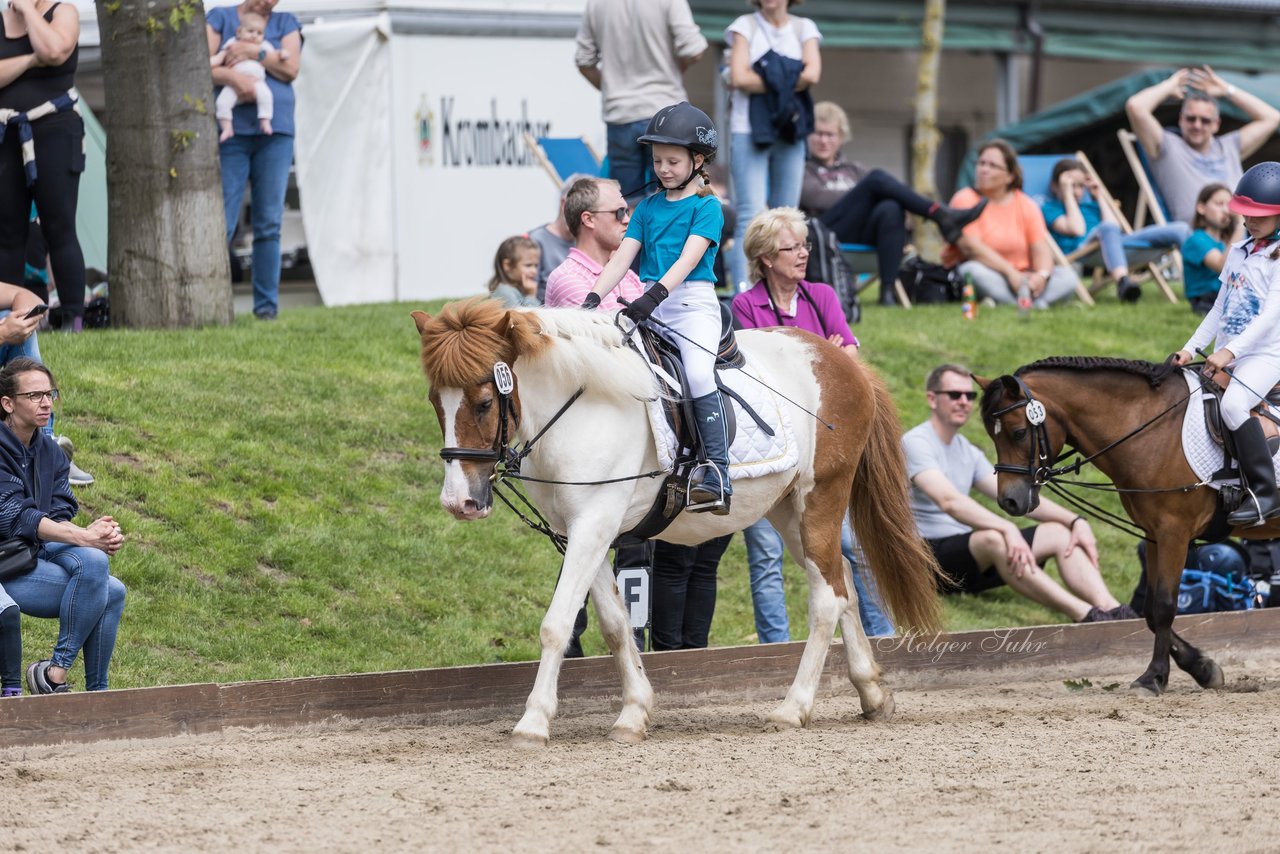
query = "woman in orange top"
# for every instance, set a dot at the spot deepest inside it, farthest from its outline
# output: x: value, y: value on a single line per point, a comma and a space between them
x: 1006, y: 251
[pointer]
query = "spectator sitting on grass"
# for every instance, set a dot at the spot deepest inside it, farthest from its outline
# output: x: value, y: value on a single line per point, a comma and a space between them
x: 978, y: 549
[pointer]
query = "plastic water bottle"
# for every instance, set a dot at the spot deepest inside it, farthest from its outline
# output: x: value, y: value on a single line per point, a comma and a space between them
x: 1024, y: 300
x: 968, y: 299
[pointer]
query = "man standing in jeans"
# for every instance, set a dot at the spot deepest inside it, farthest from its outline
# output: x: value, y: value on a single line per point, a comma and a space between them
x: 636, y: 52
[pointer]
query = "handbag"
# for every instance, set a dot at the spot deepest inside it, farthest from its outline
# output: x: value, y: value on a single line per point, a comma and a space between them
x: 17, y: 557
x: 927, y: 282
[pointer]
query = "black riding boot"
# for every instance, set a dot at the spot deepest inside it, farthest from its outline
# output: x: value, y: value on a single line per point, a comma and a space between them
x: 1259, y: 475
x: 709, y: 487
x: 951, y: 221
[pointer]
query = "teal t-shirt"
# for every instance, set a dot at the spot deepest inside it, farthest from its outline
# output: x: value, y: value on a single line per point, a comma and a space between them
x: 662, y: 227
x: 1053, y: 208
x: 1197, y: 279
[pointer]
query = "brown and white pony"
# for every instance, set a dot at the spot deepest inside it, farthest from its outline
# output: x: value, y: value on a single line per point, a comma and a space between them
x: 605, y: 434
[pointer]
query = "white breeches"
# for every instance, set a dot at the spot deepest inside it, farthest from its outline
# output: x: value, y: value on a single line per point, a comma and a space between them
x: 694, y: 311
x: 1255, y: 375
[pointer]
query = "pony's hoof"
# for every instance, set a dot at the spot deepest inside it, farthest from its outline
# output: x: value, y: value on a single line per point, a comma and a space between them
x: 779, y: 720
x: 527, y: 741
x: 1209, y: 675
x: 884, y: 713
x: 1144, y: 689
x: 625, y: 735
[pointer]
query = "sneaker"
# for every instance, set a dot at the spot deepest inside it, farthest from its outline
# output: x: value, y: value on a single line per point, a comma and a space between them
x: 1097, y: 615
x: 78, y: 476
x: 1127, y: 290
x: 1124, y: 612
x: 15, y: 691
x: 38, y: 680
x: 67, y: 446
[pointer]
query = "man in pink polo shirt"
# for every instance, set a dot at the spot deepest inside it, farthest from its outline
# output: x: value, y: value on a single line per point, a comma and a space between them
x: 597, y: 217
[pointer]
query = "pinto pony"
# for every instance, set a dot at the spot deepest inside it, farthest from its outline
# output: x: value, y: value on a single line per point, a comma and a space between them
x: 604, y: 435
x: 1128, y: 414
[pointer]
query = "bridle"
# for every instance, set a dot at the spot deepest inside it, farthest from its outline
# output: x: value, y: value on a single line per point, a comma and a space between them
x: 504, y: 383
x: 1039, y: 468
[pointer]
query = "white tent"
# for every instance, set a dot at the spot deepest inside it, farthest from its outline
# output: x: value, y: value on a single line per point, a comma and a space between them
x: 411, y: 167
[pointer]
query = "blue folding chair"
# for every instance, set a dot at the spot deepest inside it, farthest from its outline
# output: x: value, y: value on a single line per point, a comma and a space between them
x: 1150, y: 200
x: 862, y: 260
x: 563, y: 156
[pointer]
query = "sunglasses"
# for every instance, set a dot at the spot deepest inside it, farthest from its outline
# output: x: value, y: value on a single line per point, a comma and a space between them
x: 1198, y: 120
x: 620, y: 214
x: 956, y: 395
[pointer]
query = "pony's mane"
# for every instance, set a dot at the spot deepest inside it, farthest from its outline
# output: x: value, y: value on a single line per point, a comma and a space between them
x: 581, y: 348
x: 589, y: 351
x: 1154, y: 373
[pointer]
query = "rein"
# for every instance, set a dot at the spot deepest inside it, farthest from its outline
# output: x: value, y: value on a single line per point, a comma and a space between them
x: 1050, y: 475
x: 507, y: 458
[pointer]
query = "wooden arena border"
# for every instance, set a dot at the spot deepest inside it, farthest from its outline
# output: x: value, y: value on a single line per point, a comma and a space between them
x: 678, y: 677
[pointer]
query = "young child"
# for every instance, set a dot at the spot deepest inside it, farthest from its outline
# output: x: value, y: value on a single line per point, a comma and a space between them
x: 676, y: 233
x: 1205, y: 251
x: 515, y: 273
x: 252, y: 28
x: 1244, y: 325
x: 1075, y: 217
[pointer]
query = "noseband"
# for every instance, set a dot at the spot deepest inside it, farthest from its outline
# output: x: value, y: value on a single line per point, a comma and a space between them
x: 504, y: 383
x: 1039, y: 467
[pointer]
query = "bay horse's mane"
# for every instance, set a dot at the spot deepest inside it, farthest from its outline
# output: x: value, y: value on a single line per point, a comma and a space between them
x: 1154, y: 373
x: 579, y: 348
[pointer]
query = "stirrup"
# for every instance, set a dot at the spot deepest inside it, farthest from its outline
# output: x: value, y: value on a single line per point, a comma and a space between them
x: 1256, y: 516
x: 718, y: 505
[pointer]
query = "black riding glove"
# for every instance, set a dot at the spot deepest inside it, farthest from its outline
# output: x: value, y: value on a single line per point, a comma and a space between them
x: 645, y: 304
x: 591, y: 303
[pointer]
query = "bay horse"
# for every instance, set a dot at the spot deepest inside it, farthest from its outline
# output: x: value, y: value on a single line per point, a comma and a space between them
x: 1129, y: 414
x: 573, y: 376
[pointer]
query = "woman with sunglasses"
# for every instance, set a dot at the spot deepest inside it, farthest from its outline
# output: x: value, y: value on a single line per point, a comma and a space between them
x: 70, y: 580
x: 777, y: 254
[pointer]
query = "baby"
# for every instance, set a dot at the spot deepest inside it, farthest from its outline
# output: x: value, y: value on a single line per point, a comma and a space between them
x: 252, y: 28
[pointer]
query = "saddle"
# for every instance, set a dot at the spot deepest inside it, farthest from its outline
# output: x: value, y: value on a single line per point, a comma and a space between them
x: 664, y: 358
x: 1218, y: 432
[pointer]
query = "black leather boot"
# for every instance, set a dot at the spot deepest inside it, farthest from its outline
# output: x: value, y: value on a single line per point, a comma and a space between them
x: 1259, y: 475
x: 709, y: 487
x: 951, y: 221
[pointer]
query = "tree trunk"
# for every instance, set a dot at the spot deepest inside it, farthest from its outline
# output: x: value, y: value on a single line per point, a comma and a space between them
x: 924, y: 137
x: 167, y: 248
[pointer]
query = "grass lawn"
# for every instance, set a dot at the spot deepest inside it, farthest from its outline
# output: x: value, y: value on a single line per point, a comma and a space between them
x: 278, y: 486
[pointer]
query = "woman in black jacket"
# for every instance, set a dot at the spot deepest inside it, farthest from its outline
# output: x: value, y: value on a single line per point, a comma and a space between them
x: 71, y: 580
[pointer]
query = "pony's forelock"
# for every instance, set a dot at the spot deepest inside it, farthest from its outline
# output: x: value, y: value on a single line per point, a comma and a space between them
x: 462, y: 342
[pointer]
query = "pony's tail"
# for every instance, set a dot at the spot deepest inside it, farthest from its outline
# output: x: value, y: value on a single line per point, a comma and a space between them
x: 902, y: 564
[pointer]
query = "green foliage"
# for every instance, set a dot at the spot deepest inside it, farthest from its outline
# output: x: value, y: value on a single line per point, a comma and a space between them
x: 278, y: 484
x: 181, y: 139
x: 197, y: 104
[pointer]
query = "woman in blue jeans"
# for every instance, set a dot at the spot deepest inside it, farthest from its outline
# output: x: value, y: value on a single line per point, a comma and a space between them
x: 70, y: 580
x: 263, y: 159
x: 778, y: 253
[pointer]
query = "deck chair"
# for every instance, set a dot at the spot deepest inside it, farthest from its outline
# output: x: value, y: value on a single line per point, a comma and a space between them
x: 1037, y: 174
x: 1149, y: 199
x: 861, y: 258
x: 563, y: 156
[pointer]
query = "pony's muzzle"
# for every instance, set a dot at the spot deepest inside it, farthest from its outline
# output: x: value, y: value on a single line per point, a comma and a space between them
x: 1019, y: 499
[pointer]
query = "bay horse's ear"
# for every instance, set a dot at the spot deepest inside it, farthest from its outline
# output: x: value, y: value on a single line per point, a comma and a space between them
x: 421, y: 319
x: 981, y: 383
x: 524, y: 333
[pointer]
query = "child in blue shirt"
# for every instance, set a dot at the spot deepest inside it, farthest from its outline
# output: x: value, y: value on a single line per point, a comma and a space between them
x: 1075, y: 217
x: 1205, y: 251
x: 675, y: 233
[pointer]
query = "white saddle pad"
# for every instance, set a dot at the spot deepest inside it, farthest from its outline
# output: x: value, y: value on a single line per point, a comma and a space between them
x: 1203, y: 454
x: 754, y: 452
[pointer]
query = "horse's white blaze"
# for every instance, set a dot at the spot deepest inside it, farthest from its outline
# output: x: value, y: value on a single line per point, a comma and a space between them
x: 457, y: 488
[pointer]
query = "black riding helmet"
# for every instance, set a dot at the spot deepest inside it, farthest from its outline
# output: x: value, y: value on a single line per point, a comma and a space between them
x: 1258, y: 193
x: 685, y: 125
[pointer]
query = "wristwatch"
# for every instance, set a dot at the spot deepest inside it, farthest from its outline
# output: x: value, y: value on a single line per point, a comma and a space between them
x: 262, y: 53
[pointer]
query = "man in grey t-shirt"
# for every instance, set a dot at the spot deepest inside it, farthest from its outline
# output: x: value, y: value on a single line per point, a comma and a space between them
x: 1183, y: 163
x: 979, y: 549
